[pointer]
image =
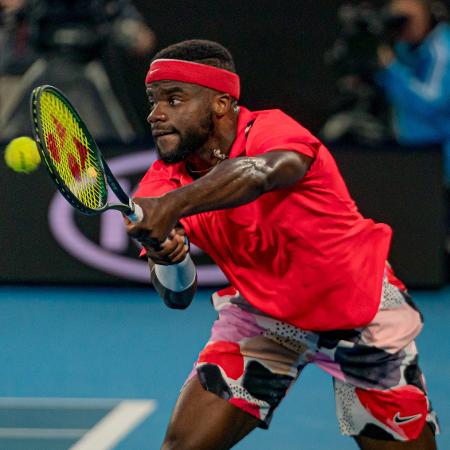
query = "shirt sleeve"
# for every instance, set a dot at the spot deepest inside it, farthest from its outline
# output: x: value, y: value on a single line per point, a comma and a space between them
x: 275, y: 130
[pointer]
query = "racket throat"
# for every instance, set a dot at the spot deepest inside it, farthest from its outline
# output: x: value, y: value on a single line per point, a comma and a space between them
x: 133, y: 211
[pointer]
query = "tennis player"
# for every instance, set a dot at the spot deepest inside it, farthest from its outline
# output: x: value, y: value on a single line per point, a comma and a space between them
x: 309, y: 278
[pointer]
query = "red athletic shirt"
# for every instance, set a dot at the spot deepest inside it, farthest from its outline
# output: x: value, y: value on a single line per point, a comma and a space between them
x: 302, y: 254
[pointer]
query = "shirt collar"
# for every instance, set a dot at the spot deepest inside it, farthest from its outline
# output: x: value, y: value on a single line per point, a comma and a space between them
x: 244, y: 118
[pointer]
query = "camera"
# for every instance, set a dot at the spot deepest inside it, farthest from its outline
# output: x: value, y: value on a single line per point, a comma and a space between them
x: 363, y: 28
x: 359, y: 112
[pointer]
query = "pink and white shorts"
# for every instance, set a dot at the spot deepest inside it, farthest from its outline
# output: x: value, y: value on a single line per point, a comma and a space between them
x: 252, y: 359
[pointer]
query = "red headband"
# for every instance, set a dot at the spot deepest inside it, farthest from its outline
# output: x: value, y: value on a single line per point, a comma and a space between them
x: 190, y: 72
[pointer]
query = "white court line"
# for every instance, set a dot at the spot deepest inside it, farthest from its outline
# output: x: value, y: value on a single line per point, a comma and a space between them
x: 115, y: 425
x: 58, y: 402
x: 41, y: 433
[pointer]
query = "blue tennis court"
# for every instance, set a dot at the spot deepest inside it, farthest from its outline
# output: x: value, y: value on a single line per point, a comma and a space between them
x: 97, y: 368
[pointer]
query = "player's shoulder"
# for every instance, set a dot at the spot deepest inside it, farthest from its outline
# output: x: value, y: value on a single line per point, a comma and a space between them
x: 273, y: 129
x: 278, y: 119
x: 272, y: 124
x: 272, y: 114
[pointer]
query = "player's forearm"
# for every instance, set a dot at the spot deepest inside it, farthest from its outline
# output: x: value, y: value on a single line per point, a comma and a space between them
x: 231, y: 183
x: 237, y: 181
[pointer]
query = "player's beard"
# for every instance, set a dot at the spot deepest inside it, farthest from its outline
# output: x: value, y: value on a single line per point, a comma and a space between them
x: 190, y: 141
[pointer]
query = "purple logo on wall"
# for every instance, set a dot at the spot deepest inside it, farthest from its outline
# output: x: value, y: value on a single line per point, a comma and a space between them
x: 108, y: 256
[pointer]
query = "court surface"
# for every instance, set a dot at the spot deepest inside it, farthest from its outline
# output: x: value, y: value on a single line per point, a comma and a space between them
x: 98, y: 368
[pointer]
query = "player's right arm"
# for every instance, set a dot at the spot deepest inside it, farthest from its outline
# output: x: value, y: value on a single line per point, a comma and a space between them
x: 233, y: 182
x: 172, y: 271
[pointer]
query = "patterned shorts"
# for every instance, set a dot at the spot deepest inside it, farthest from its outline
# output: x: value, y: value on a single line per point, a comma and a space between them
x: 251, y: 360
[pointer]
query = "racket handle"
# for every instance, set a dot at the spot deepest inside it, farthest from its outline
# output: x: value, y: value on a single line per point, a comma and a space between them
x: 136, y: 214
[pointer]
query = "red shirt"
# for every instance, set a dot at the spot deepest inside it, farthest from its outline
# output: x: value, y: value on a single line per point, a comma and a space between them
x: 302, y: 254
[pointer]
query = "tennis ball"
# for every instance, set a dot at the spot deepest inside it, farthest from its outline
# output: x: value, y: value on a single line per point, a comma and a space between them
x: 22, y: 155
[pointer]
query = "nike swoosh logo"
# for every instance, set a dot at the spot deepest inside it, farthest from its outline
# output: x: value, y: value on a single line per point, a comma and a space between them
x: 400, y: 420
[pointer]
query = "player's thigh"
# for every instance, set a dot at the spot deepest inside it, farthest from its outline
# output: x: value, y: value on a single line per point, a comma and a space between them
x: 203, y: 421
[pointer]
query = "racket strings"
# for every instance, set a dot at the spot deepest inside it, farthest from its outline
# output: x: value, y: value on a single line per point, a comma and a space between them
x: 71, y: 152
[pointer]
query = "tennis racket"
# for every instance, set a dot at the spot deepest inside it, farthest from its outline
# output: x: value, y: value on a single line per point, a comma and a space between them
x: 72, y: 157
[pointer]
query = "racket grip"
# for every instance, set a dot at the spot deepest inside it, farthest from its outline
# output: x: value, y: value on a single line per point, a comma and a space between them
x: 136, y: 214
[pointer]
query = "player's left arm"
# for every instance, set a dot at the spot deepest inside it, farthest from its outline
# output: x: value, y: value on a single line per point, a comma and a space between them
x: 232, y: 183
x: 175, y: 283
x: 172, y: 271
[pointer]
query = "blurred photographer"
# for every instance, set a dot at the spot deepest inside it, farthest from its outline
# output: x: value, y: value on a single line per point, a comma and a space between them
x: 393, y: 67
x: 360, y: 112
x: 415, y: 75
x: 77, y: 44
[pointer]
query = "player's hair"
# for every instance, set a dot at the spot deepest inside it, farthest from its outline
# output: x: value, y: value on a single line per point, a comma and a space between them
x: 201, y: 51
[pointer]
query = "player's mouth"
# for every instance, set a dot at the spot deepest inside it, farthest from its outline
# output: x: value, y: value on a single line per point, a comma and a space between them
x: 160, y: 133
x: 165, y: 139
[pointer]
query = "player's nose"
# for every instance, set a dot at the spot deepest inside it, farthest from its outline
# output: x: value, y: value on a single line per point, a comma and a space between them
x: 156, y: 115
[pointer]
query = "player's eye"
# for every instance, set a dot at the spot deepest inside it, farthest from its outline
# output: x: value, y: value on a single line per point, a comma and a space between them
x: 174, y: 101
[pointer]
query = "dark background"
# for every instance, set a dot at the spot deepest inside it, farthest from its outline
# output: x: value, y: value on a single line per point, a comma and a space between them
x: 279, y: 53
x: 278, y: 49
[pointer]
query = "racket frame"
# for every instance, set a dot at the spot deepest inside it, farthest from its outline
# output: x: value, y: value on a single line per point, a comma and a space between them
x: 127, y: 207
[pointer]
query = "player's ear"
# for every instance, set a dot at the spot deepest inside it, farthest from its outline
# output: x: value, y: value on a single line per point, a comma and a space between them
x: 222, y: 103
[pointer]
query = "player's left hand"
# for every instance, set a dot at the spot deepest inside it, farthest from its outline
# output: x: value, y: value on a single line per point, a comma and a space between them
x: 172, y: 251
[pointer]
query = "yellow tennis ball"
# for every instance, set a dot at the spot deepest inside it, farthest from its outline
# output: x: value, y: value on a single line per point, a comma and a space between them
x: 22, y: 155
